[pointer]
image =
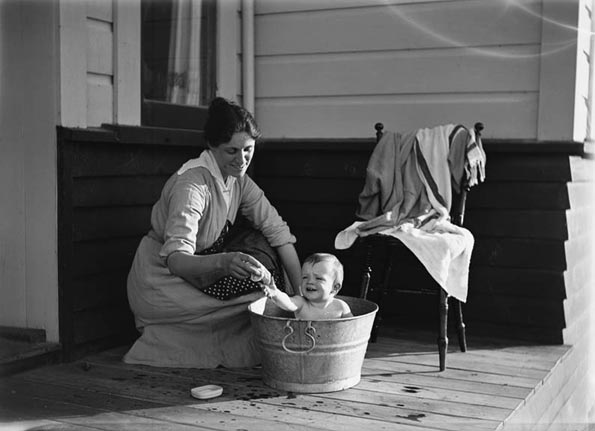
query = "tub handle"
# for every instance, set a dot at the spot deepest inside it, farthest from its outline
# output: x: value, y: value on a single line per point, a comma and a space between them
x: 310, y: 331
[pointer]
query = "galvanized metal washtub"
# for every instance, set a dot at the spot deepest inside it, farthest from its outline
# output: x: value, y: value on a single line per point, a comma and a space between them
x: 312, y: 356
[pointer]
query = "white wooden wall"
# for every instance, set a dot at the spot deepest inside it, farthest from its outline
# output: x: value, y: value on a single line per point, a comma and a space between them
x: 28, y: 117
x: 334, y: 68
x: 100, y: 62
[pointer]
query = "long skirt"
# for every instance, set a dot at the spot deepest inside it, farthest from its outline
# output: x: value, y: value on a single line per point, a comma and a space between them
x: 180, y: 325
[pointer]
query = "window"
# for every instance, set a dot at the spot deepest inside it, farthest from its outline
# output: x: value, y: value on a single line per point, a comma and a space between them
x: 178, y: 62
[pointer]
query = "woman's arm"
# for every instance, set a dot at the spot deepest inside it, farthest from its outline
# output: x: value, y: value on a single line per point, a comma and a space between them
x: 291, y: 263
x: 202, y: 271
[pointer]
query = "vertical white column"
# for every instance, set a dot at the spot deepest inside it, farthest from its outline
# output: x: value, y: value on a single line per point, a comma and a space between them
x: 127, y: 62
x: 248, y: 54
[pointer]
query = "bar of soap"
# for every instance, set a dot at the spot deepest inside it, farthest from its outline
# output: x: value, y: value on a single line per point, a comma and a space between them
x: 206, y: 392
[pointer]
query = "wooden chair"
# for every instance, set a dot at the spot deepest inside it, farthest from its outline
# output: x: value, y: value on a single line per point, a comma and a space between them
x: 378, y: 290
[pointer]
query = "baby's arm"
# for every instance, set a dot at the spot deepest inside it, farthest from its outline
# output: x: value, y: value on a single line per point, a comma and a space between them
x: 282, y: 299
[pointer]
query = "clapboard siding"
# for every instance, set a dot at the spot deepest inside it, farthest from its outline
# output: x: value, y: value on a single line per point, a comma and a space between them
x: 513, y: 115
x: 408, y: 72
x: 100, y: 63
x: 322, y: 69
x: 109, y: 180
x: 390, y: 26
x: 99, y: 47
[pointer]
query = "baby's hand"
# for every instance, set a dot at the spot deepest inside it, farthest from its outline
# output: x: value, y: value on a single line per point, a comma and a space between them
x: 260, y: 274
x: 268, y: 292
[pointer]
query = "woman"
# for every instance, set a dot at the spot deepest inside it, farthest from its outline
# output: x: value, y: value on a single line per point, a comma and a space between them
x: 189, y: 285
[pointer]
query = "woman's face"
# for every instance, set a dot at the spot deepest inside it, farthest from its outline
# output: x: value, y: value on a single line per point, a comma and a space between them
x: 234, y: 156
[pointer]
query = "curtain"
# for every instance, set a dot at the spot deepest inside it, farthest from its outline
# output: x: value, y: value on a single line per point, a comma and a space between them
x: 183, y: 71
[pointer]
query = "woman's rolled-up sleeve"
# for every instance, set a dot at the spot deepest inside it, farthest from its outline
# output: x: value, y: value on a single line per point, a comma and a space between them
x: 256, y: 207
x: 185, y: 210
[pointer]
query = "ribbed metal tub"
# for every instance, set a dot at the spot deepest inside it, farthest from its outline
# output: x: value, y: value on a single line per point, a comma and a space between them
x: 312, y: 356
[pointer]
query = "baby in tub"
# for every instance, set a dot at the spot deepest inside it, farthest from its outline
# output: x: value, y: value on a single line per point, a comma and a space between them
x: 322, y: 277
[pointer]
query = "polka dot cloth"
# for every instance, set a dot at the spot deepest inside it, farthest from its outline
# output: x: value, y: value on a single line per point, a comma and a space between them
x: 230, y: 287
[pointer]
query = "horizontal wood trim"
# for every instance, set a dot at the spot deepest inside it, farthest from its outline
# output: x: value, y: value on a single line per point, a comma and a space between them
x: 517, y: 314
x: 512, y: 115
x: 530, y: 224
x: 539, y: 224
x: 514, y: 282
x: 113, y: 322
x: 117, y: 191
x: 519, y: 253
x: 312, y: 190
x: 524, y: 312
x: 516, y: 195
x: 270, y: 7
x: 331, y: 216
x: 103, y: 257
x: 496, y: 69
x: 110, y: 222
x: 131, y: 135
x: 100, y: 290
x: 543, y: 153
x: 129, y: 160
x: 493, y: 252
x: 395, y: 26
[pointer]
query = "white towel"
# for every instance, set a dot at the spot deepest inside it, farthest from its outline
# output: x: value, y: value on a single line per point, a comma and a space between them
x: 443, y: 248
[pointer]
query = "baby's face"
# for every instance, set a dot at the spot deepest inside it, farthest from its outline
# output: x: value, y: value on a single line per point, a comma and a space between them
x: 317, y: 281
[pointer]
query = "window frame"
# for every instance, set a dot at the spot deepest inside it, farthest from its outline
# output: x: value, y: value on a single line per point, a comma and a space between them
x: 156, y: 113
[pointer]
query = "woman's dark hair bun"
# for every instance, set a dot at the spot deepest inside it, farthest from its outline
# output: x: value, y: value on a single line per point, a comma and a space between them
x: 225, y: 118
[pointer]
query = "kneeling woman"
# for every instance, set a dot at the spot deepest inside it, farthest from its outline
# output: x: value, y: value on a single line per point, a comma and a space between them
x: 189, y: 285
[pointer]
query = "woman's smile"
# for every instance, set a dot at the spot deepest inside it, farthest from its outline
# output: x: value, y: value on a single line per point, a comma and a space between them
x: 233, y: 157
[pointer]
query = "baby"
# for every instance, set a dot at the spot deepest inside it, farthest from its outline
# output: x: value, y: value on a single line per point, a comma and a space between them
x: 322, y: 277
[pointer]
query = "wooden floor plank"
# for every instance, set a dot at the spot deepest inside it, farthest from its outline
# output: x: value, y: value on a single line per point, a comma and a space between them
x: 79, y: 398
x: 401, y: 411
x: 401, y: 389
x: 435, y: 380
x: 320, y: 417
x: 441, y: 394
x: 468, y: 395
x: 517, y: 357
x: 41, y: 425
x: 388, y: 367
x: 465, y: 362
x: 162, y: 385
x: 17, y: 407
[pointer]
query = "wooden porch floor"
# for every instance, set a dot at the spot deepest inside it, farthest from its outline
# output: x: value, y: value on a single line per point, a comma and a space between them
x: 401, y: 389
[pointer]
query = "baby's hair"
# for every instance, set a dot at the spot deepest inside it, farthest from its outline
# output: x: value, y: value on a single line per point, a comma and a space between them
x: 336, y: 265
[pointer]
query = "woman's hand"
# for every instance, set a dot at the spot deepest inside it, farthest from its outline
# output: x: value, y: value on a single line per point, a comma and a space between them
x: 240, y: 265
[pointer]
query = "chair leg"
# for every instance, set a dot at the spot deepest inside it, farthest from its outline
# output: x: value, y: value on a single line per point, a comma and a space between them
x: 460, y: 325
x: 442, y: 332
x: 379, y: 295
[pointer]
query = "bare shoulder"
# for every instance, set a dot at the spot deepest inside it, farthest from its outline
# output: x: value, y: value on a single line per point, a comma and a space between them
x: 298, y: 300
x: 343, y: 307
